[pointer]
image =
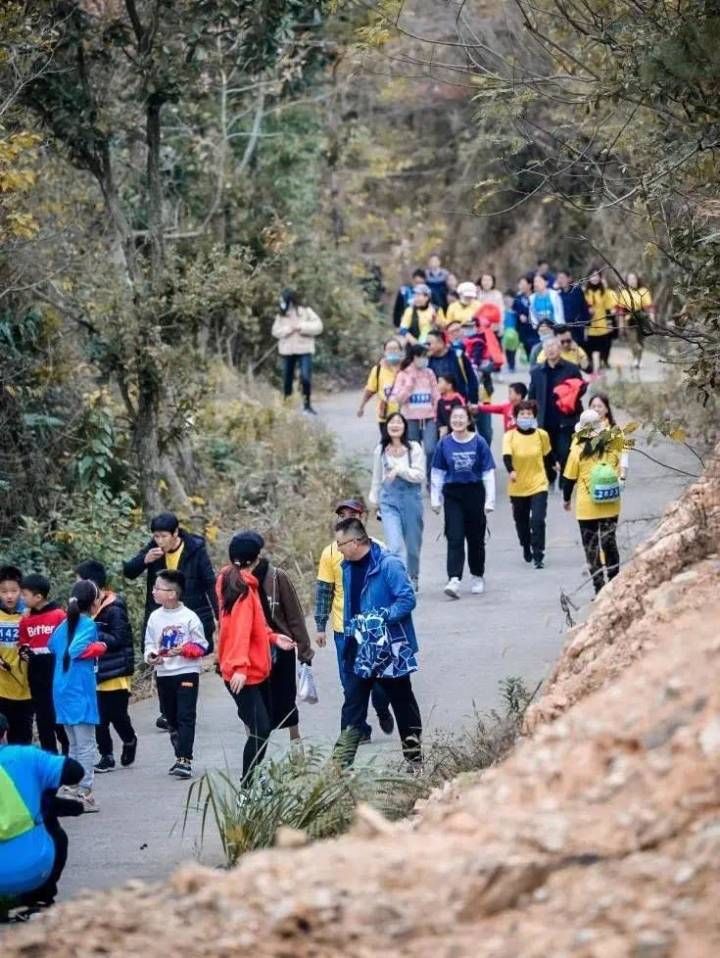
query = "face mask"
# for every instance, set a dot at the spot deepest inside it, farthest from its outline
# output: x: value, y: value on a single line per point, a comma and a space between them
x: 283, y: 305
x: 544, y: 337
x: 527, y: 424
x: 392, y: 358
x: 421, y: 363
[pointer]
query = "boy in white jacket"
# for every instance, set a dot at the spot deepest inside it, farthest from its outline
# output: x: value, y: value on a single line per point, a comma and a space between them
x: 175, y: 644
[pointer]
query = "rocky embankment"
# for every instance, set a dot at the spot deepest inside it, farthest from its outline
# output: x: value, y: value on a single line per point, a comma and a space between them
x: 598, y: 838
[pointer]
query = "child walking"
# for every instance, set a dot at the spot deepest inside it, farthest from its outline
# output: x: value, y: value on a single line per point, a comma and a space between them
x: 75, y: 646
x: 15, y: 702
x: 174, y: 644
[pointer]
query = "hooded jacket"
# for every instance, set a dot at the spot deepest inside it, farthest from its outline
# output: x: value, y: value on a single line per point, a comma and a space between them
x: 244, y: 637
x: 195, y: 565
x: 388, y: 587
x: 286, y: 611
x: 114, y: 629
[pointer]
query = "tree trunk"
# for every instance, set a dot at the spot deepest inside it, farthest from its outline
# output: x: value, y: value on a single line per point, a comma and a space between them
x: 154, y: 193
x: 145, y: 442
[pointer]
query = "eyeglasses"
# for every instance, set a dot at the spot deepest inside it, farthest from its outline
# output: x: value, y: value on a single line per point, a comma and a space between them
x: 159, y: 588
x: 346, y: 542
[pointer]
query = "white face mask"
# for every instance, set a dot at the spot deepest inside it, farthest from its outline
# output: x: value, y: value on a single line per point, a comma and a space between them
x: 421, y: 362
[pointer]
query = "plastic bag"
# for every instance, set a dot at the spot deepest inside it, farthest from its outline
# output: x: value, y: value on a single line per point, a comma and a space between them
x: 306, y: 688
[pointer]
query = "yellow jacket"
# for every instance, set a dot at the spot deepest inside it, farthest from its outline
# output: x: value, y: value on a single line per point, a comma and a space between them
x: 458, y: 313
x: 601, y: 302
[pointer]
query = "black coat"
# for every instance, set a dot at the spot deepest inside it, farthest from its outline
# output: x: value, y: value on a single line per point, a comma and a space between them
x: 539, y: 392
x: 114, y: 629
x: 197, y: 568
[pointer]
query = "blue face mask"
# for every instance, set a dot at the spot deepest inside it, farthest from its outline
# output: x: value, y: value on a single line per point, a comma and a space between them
x: 544, y: 337
x: 393, y: 358
x: 526, y: 424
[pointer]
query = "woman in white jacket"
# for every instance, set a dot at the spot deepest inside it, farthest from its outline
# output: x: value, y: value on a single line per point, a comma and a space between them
x: 296, y: 327
x: 397, y: 481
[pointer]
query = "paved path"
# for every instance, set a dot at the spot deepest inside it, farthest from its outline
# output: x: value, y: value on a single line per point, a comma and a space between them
x: 467, y: 647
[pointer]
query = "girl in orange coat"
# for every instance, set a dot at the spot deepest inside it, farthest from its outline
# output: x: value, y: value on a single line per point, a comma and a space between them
x: 243, y: 653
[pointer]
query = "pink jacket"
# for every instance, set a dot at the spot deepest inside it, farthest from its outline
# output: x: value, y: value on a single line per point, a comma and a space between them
x: 417, y: 392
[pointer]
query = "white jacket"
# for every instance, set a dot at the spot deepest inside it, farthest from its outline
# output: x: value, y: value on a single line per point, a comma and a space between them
x: 297, y: 331
x: 170, y: 629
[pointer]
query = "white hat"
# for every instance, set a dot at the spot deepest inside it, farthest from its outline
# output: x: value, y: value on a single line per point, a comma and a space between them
x: 588, y: 418
x: 467, y: 290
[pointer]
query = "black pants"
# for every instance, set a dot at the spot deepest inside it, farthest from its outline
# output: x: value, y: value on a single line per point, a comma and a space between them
x: 20, y: 720
x: 178, y: 696
x: 601, y: 345
x: 289, y: 364
x: 40, y: 676
x: 113, y: 709
x: 560, y: 441
x: 529, y: 513
x: 404, y: 705
x: 283, y: 690
x: 601, y: 550
x: 465, y: 522
x: 254, y: 709
x: 47, y: 892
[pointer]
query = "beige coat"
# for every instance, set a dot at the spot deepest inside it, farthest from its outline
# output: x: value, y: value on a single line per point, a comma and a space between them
x: 296, y: 331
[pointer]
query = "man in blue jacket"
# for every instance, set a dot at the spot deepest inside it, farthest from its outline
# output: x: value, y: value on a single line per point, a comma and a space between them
x: 381, y: 646
x: 575, y: 307
x: 446, y: 360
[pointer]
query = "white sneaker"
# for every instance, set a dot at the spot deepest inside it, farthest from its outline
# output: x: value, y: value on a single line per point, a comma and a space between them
x: 452, y: 589
x: 478, y: 585
x: 88, y: 800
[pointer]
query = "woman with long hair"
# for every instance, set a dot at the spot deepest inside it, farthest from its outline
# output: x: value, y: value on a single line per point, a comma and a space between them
x: 243, y: 653
x: 398, y: 474
x: 593, y: 467
x: 416, y: 392
x: 420, y: 317
x: 75, y: 645
x: 600, y: 403
x: 492, y: 299
x: 599, y: 334
x: 463, y: 481
x: 284, y: 615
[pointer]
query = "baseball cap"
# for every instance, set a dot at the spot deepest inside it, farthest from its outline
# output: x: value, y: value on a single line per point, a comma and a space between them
x: 355, y: 505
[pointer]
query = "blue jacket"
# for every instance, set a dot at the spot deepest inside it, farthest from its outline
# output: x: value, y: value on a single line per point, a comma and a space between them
x: 74, y: 691
x: 575, y: 307
x: 387, y: 586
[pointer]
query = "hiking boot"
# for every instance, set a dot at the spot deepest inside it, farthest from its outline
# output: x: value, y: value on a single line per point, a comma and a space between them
x: 128, y: 752
x: 87, y: 799
x: 182, y: 769
x: 162, y: 723
x: 452, y: 589
x: 527, y: 554
x: 478, y: 585
x: 539, y: 563
x: 106, y: 764
x: 387, y: 723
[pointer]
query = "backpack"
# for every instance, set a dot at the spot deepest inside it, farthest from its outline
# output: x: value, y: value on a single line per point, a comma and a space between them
x: 604, y: 483
x: 15, y: 818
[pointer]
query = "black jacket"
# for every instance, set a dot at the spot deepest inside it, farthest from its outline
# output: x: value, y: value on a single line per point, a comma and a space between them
x: 197, y: 568
x: 114, y: 629
x: 543, y: 379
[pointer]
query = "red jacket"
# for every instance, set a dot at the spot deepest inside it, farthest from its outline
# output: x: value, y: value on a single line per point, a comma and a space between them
x: 35, y: 628
x: 244, y: 638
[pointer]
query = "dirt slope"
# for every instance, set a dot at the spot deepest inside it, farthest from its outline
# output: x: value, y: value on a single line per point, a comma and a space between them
x: 598, y: 838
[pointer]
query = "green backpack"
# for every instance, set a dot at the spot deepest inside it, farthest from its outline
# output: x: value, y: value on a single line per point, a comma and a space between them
x: 604, y: 483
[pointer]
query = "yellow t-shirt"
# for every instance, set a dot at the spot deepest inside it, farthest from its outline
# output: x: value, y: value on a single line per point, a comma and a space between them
x: 457, y: 313
x: 172, y: 559
x: 579, y: 468
x: 121, y: 684
x: 13, y: 683
x: 634, y: 300
x: 575, y: 354
x: 528, y: 451
x: 330, y: 570
x: 427, y: 318
x: 381, y: 381
x: 601, y: 302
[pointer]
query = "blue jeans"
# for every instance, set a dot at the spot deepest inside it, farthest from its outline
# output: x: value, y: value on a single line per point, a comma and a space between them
x: 380, y: 700
x: 424, y: 431
x: 305, y: 363
x: 402, y: 515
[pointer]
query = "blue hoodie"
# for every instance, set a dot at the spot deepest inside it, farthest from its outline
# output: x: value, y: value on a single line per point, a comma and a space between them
x: 387, y: 586
x: 74, y: 691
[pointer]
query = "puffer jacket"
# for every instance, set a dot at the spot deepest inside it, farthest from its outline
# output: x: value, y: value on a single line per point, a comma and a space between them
x: 301, y: 341
x: 114, y: 629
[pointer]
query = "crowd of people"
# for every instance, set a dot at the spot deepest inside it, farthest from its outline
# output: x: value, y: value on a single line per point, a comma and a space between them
x: 66, y: 668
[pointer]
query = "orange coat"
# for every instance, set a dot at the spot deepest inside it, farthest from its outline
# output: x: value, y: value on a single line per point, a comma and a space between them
x: 244, y: 637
